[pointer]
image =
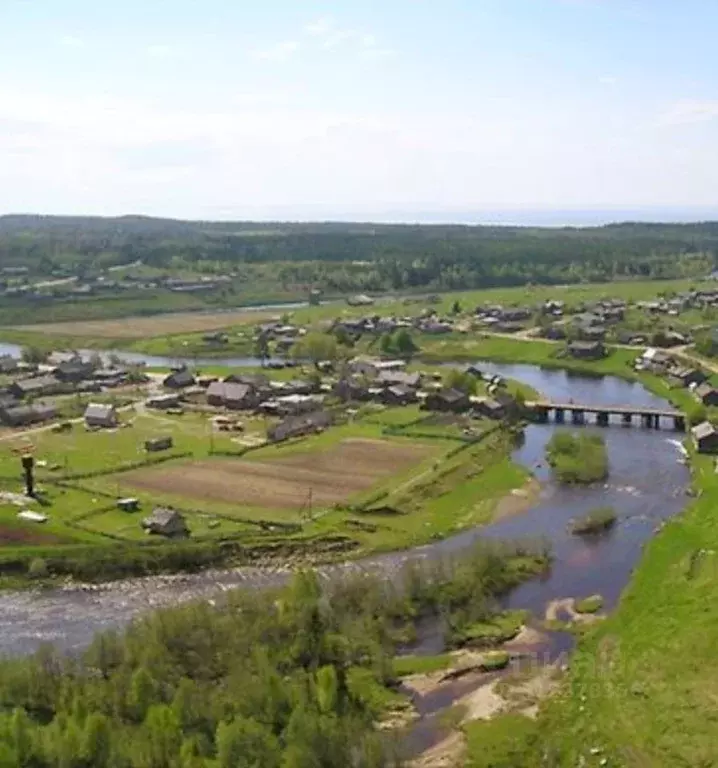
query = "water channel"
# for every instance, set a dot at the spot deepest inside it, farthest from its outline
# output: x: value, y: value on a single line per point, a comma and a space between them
x: 647, y: 485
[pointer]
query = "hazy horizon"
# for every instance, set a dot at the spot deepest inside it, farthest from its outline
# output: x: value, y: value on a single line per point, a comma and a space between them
x: 511, y: 217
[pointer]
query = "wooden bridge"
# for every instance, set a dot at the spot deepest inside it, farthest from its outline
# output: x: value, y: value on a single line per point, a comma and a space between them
x: 650, y: 417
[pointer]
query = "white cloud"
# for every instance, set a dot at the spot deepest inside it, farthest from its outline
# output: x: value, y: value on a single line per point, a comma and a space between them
x: 608, y: 80
x: 689, y: 111
x: 330, y: 37
x: 278, y: 52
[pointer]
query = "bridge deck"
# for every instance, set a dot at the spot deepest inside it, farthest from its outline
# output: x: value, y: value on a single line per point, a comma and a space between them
x: 633, y: 410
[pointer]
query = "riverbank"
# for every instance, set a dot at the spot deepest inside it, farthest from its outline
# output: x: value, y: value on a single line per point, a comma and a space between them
x: 653, y: 660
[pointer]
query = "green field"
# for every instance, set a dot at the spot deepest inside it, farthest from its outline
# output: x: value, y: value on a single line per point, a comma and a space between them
x: 192, y: 344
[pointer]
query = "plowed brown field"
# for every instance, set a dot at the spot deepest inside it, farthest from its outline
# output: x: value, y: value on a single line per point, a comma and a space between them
x: 333, y: 475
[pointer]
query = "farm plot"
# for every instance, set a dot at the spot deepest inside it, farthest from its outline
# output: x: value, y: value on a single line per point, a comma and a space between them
x: 149, y: 326
x: 332, y: 475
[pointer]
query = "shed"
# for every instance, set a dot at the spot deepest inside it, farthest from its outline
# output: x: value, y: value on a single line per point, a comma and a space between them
x: 100, y: 415
x: 166, y: 522
x: 586, y: 350
x: 129, y: 504
x: 705, y: 437
x: 158, y: 444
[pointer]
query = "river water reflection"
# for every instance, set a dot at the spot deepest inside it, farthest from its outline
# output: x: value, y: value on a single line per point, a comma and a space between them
x: 646, y: 486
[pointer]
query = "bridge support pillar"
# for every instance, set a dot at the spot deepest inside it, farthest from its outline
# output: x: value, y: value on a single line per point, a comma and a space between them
x: 602, y: 418
x: 647, y: 419
x: 626, y: 419
x: 679, y: 424
x: 540, y: 415
x: 578, y: 417
x: 657, y: 423
x: 560, y: 416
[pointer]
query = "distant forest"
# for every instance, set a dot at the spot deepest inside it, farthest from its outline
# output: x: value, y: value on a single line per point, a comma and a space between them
x: 340, y: 257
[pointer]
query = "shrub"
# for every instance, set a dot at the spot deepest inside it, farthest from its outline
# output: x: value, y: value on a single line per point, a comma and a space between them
x: 596, y: 521
x: 37, y: 568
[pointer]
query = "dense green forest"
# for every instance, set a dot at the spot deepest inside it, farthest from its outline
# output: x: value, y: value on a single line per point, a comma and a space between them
x: 342, y: 257
x: 292, y: 678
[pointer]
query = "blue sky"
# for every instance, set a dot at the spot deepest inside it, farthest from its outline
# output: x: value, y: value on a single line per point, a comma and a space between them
x: 236, y: 109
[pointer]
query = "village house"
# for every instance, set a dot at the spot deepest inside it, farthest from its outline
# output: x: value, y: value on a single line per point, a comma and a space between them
x: 296, y: 426
x: 447, y: 400
x: 163, y: 402
x: 687, y: 377
x: 110, y: 377
x: 257, y: 381
x: 351, y: 389
x: 514, y: 314
x: 21, y: 415
x: 371, y: 366
x: 554, y: 333
x: 9, y: 364
x: 586, y: 350
x: 291, y: 404
x: 35, y: 387
x: 655, y: 360
x: 435, y: 327
x: 705, y: 438
x: 227, y: 394
x: 74, y: 370
x: 100, y: 415
x: 394, y: 378
x: 706, y: 394
x: 215, y: 338
x: 179, y: 379
x: 399, y: 394
x: 487, y: 406
x: 166, y: 522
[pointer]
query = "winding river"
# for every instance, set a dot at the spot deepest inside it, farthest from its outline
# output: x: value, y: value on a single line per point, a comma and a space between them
x: 647, y: 485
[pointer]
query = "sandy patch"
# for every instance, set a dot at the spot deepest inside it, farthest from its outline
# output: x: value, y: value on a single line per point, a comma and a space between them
x: 520, y: 500
x: 565, y: 610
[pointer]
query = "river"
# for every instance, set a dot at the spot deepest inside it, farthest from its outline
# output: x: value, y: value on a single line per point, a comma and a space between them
x: 647, y: 485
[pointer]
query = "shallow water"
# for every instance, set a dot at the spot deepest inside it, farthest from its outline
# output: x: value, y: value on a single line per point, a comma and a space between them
x: 646, y: 486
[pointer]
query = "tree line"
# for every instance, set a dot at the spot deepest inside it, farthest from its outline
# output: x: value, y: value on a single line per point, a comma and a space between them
x: 345, y: 257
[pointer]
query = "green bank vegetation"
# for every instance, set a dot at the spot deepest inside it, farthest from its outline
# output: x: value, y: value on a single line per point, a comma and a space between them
x: 590, y: 604
x: 292, y: 677
x: 577, y: 458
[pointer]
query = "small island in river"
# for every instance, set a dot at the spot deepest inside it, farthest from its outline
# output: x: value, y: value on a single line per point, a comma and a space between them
x: 577, y: 459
